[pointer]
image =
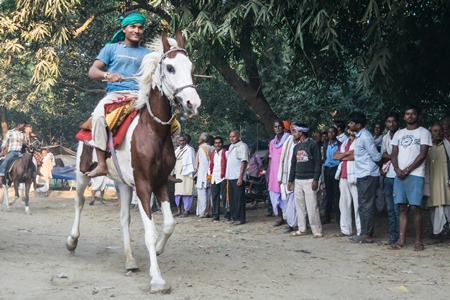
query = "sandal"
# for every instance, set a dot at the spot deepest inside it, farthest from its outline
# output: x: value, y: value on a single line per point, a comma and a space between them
x: 299, y: 233
x: 418, y: 247
x: 396, y: 246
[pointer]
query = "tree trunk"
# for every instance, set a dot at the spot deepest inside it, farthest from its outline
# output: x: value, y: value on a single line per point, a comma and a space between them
x: 3, y: 120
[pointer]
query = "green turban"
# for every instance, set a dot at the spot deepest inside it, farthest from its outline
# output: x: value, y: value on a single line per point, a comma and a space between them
x: 134, y: 18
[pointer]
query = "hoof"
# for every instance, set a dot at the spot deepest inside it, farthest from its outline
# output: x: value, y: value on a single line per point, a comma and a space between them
x: 162, y: 288
x: 71, y: 244
x: 132, y: 266
x: 12, y: 202
x: 27, y: 211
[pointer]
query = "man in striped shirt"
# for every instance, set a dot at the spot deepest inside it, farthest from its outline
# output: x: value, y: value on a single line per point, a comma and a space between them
x: 13, y: 141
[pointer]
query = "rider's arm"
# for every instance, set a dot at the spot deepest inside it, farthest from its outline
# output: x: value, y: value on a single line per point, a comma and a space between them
x: 97, y: 70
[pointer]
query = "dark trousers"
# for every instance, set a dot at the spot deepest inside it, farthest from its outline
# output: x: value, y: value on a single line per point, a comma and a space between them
x: 236, y: 196
x: 218, y: 192
x: 367, y: 192
x: 333, y: 193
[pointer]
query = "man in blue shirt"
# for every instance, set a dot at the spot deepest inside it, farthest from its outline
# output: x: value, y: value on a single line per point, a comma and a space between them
x: 121, y: 57
x: 329, y: 171
x: 367, y: 175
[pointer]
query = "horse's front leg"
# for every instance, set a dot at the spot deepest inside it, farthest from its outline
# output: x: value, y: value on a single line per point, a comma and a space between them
x: 5, y: 195
x: 169, y: 222
x: 157, y: 284
x: 126, y: 193
x: 16, y: 192
x: 72, y: 239
x: 26, y: 196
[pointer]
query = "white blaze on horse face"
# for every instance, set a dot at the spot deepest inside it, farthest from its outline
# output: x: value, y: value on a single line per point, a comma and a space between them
x: 178, y: 74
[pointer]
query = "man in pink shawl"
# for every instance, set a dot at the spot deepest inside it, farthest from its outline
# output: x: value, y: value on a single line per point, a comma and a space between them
x: 275, y: 150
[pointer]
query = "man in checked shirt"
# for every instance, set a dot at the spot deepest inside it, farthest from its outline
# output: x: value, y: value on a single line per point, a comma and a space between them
x: 14, y: 139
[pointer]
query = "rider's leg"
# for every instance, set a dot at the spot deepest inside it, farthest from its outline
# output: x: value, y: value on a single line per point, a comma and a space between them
x: 101, y: 168
x: 9, y: 157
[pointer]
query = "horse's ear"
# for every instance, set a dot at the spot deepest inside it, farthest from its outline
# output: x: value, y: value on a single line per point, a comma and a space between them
x: 165, y: 42
x: 179, y: 39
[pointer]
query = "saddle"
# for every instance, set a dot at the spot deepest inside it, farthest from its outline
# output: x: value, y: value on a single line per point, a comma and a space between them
x: 118, y: 115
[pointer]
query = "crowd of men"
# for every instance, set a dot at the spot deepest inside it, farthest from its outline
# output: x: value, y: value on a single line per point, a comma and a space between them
x: 348, y: 171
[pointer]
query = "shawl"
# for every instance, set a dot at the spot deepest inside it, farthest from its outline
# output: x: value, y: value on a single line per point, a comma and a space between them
x: 277, y: 144
x: 187, y: 155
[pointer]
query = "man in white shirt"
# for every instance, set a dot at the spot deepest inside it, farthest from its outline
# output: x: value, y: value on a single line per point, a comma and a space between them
x: 409, y: 151
x: 388, y: 171
x: 237, y: 159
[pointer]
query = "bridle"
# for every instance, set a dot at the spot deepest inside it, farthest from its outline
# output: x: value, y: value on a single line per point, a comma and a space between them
x: 169, y: 90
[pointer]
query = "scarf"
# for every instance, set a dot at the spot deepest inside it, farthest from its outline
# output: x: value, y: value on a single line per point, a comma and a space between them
x: 134, y: 18
x: 277, y: 144
x: 206, y: 150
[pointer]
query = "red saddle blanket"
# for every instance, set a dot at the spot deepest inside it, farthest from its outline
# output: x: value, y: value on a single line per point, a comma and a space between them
x: 118, y: 114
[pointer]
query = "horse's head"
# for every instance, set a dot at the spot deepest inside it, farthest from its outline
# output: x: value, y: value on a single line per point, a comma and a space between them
x: 177, y: 76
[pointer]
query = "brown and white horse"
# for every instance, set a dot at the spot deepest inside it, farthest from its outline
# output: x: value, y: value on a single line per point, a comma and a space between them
x: 146, y: 156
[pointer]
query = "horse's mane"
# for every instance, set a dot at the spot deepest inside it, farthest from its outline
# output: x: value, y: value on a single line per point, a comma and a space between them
x: 148, y: 75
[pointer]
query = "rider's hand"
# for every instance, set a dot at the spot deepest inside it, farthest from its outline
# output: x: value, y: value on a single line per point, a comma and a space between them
x: 114, y: 78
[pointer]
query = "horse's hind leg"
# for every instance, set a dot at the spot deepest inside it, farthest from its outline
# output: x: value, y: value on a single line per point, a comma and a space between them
x: 72, y: 239
x: 126, y: 194
x: 169, y: 222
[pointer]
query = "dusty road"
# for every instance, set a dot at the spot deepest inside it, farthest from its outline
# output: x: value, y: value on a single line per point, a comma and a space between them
x: 204, y: 260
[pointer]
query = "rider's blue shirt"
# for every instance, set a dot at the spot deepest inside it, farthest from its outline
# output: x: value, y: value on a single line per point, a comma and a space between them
x: 124, y: 60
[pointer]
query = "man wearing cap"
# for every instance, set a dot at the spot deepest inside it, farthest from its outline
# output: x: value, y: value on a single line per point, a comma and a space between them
x: 121, y: 57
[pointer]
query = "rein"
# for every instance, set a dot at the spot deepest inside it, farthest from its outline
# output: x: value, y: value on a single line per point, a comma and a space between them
x: 171, y: 90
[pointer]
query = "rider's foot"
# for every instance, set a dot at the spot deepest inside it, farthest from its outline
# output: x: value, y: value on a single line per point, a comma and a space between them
x: 98, y: 171
x: 101, y: 168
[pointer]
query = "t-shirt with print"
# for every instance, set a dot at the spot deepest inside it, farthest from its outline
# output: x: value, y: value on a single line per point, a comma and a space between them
x: 408, y: 142
x: 125, y: 61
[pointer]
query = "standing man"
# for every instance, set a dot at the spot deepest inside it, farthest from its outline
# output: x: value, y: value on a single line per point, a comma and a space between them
x: 378, y: 129
x: 121, y: 57
x: 237, y: 159
x: 340, y: 126
x: 217, y: 169
x: 201, y: 168
x: 12, y: 144
x: 438, y: 174
x: 329, y: 172
x: 283, y: 181
x: 306, y: 164
x: 347, y: 186
x: 389, y: 174
x: 445, y: 122
x: 367, y: 175
x: 275, y: 149
x: 184, y: 169
x: 409, y: 151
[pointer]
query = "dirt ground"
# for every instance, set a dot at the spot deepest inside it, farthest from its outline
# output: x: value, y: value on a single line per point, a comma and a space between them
x: 204, y: 259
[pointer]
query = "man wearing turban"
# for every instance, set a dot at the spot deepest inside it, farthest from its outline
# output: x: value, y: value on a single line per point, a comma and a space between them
x: 120, y: 58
